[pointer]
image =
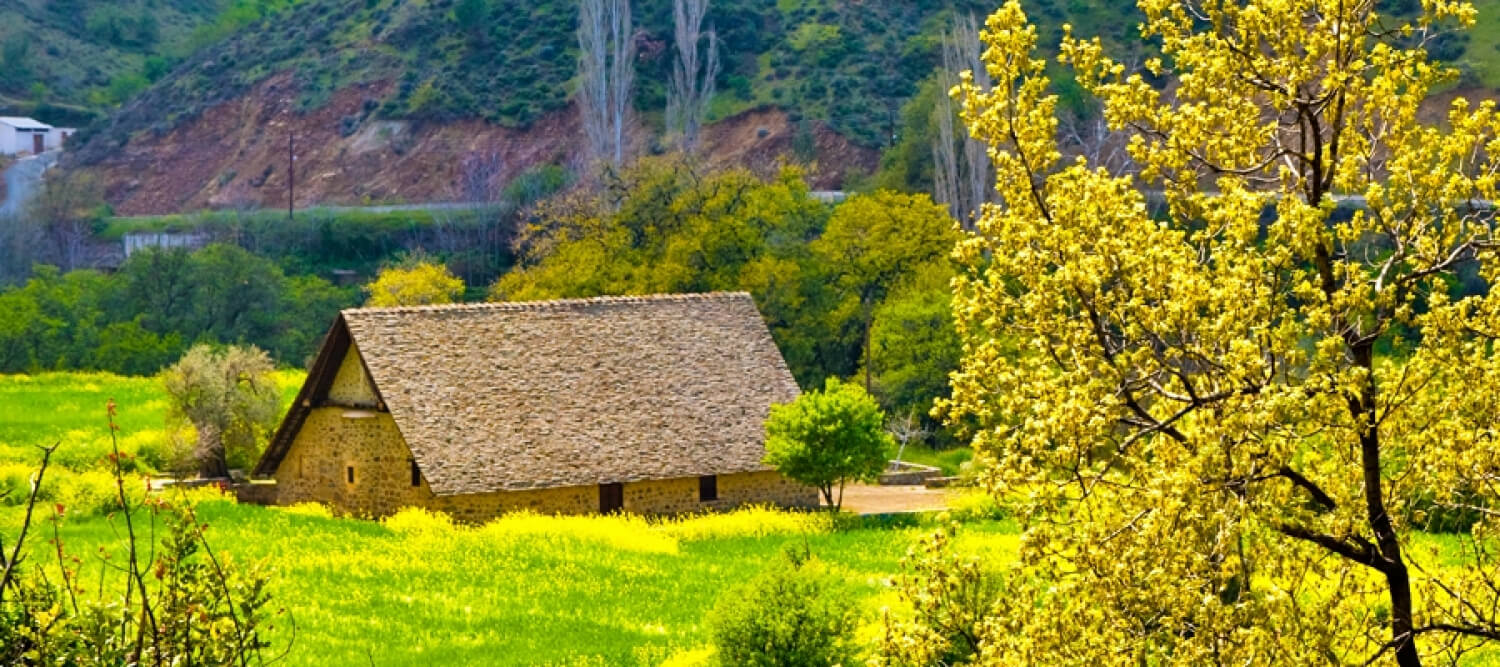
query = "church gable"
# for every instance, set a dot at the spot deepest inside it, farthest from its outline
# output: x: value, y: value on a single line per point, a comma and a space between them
x: 351, y: 385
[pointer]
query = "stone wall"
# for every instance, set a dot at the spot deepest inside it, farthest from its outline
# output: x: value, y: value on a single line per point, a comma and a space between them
x: 335, y: 440
x: 316, y: 469
x: 766, y: 488
x: 481, y: 507
x: 351, y: 385
x: 678, y: 496
x: 666, y: 496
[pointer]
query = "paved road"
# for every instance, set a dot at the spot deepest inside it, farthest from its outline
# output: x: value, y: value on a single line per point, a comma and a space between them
x: 826, y: 196
x: 23, y: 180
x: 381, y: 208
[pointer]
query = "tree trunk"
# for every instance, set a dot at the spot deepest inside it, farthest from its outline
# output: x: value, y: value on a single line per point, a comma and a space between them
x: 869, y: 347
x: 212, y: 463
x: 1398, y: 581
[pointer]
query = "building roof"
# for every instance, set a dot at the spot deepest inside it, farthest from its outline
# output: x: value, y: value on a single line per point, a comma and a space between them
x: 24, y: 123
x: 512, y: 396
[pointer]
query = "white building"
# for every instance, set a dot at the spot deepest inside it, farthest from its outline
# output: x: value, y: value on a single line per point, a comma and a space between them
x: 26, y: 136
x: 58, y: 137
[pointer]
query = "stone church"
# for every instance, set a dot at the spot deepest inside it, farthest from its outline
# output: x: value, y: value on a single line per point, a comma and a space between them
x: 636, y: 404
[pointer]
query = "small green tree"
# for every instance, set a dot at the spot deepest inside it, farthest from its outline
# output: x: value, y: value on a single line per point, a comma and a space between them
x: 790, y: 615
x: 231, y: 399
x: 419, y: 284
x: 828, y: 438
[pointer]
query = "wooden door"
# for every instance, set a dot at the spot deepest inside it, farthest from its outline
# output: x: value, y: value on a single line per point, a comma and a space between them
x: 611, y: 498
x: 38, y: 143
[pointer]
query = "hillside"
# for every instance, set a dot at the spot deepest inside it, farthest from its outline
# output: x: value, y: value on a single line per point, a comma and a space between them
x: 510, y: 61
x: 388, y: 99
x: 70, y: 61
x: 395, y: 101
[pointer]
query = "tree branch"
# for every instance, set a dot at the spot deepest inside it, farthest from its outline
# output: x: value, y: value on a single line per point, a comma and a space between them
x: 1356, y: 549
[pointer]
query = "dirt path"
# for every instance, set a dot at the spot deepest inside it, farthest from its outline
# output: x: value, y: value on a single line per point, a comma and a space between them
x: 869, y: 499
x: 22, y: 180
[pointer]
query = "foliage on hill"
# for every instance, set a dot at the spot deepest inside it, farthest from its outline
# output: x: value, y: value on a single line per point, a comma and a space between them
x: 66, y: 60
x: 848, y: 65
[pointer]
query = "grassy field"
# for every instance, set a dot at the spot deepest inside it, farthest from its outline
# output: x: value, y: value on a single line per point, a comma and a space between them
x: 949, y: 460
x: 68, y: 409
x: 526, y: 589
x: 417, y: 590
x: 49, y: 408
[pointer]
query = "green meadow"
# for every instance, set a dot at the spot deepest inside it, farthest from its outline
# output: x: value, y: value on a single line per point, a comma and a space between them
x: 525, y: 589
x: 415, y: 589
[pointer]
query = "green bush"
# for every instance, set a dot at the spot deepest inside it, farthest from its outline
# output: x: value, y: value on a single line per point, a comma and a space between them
x: 827, y: 438
x: 792, y: 614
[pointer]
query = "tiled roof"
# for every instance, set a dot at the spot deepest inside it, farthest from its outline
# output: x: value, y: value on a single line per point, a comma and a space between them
x: 511, y: 396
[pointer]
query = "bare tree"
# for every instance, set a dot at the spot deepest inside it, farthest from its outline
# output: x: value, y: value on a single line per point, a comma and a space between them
x: 945, y: 174
x: 1084, y: 132
x: 479, y: 176
x: 606, y: 75
x: 908, y: 429
x: 693, y: 73
x: 963, y: 177
x: 1089, y: 135
x: 20, y: 238
x: 66, y: 210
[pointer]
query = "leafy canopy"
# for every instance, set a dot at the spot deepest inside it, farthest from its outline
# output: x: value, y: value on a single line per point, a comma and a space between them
x: 1219, y: 457
x: 828, y: 438
x: 821, y: 275
x: 144, y: 316
x: 418, y: 284
x: 883, y: 247
x: 664, y: 227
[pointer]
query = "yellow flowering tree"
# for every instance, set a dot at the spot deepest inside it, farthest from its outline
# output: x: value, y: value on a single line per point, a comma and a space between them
x: 1237, y: 403
x: 418, y: 283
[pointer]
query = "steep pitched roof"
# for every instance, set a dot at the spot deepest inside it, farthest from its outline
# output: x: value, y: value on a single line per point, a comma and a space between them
x: 510, y: 396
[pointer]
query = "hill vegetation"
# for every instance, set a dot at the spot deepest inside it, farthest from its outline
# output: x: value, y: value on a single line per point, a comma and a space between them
x: 70, y: 61
x: 847, y: 65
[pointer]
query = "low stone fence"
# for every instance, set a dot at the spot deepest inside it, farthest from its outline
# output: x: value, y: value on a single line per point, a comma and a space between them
x: 256, y: 492
x: 901, y: 473
x: 138, y: 241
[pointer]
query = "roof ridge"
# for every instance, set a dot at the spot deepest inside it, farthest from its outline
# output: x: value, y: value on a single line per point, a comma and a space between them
x: 549, y: 304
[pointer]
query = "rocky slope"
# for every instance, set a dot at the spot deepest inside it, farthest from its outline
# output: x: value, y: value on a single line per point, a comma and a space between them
x: 235, y: 154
